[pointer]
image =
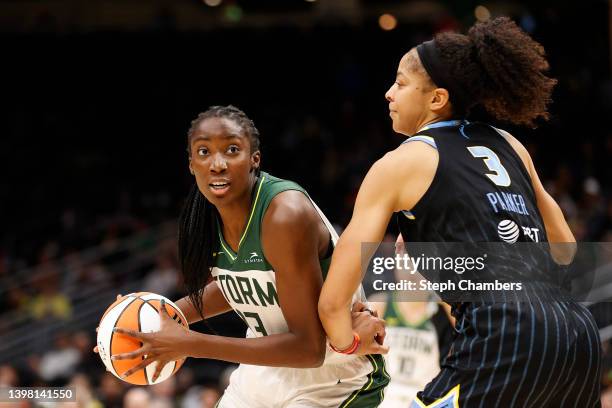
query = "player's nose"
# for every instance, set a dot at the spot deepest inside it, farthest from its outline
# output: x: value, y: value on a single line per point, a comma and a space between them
x: 218, y: 164
x: 389, y: 93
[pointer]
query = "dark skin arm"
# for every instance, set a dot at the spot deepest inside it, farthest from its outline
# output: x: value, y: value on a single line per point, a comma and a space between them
x: 292, y: 239
x: 213, y: 304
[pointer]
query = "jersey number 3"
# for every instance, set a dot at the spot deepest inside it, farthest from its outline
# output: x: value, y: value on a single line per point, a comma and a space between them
x: 500, y: 174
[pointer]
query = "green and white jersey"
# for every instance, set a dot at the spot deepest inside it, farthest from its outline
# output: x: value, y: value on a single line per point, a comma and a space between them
x: 414, y: 356
x: 246, y: 278
x: 248, y: 283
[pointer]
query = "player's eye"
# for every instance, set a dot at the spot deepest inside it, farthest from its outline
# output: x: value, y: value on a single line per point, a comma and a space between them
x: 233, y: 149
x: 202, y: 151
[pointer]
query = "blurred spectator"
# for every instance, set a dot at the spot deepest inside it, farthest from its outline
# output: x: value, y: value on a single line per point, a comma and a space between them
x: 48, y: 302
x: 8, y: 376
x: 606, y: 398
x: 137, y: 397
x: 161, y: 403
x: 209, y: 397
x: 58, y: 364
x: 85, y: 278
x: 111, y: 391
x: 163, y: 278
x: 164, y: 392
x: 85, y: 397
x: 201, y: 397
x: 89, y: 362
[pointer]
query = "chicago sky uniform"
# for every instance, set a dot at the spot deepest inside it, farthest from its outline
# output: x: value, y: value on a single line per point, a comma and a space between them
x: 248, y: 283
x: 532, y: 353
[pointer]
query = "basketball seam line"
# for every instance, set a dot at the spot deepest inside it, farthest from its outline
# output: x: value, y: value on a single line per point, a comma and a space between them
x: 176, y: 311
x: 110, y: 346
x: 141, y: 343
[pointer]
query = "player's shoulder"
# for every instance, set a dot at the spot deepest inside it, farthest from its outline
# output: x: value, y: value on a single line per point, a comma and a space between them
x: 290, y: 224
x: 518, y: 147
x: 291, y: 207
x: 407, y: 158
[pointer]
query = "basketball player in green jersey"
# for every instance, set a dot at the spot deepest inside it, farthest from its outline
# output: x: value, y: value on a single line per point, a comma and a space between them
x: 256, y: 244
x: 418, y: 334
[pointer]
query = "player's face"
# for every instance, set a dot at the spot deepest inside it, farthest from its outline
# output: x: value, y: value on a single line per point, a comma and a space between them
x: 221, y: 160
x: 408, y: 97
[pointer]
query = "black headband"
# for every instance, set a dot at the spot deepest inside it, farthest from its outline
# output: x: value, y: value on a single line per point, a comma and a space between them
x: 431, y: 61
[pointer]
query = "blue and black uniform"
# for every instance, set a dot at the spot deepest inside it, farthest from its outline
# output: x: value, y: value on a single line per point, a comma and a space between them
x: 527, y: 353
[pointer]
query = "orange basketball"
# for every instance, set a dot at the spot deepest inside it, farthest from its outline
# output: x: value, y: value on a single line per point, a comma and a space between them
x: 136, y: 311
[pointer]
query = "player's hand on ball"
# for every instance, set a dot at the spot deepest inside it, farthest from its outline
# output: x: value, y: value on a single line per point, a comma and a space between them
x: 371, y: 331
x: 95, y: 349
x: 160, y: 347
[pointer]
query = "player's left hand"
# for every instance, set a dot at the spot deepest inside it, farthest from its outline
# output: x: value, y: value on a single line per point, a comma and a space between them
x: 371, y: 331
x: 161, y: 347
x: 362, y: 307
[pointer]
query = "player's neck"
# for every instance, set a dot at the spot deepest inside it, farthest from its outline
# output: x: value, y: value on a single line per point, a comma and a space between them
x: 234, y: 217
x: 430, y: 119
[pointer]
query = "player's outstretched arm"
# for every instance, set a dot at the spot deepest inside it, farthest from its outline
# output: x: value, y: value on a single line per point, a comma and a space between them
x: 213, y: 304
x: 395, y: 182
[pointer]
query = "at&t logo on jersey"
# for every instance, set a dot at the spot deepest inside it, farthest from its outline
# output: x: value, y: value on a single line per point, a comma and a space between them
x: 509, y: 232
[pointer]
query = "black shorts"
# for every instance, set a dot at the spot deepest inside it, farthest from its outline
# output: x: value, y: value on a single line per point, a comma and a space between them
x: 538, y: 354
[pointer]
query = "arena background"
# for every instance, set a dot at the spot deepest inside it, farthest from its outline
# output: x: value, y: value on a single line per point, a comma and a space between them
x: 98, y: 97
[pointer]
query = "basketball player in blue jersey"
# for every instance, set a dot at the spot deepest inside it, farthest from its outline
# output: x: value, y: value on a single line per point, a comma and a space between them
x: 258, y: 245
x: 456, y: 181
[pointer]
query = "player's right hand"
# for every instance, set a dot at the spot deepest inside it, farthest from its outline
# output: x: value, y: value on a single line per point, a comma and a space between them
x: 95, y: 349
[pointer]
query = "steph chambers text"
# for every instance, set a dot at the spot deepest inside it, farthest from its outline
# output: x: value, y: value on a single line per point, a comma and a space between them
x: 464, y: 284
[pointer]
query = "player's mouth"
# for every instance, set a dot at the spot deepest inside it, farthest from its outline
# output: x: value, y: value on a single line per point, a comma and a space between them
x: 219, y: 188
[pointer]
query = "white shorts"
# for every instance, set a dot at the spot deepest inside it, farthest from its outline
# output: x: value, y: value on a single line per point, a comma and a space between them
x: 355, y: 382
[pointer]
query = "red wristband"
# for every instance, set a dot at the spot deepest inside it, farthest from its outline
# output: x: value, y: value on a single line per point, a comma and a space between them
x: 350, y: 349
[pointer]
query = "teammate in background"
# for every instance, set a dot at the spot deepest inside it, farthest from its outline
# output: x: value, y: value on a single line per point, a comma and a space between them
x: 446, y: 182
x: 418, y: 335
x: 256, y: 244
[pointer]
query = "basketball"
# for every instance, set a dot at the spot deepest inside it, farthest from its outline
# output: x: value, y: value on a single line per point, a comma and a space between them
x: 136, y: 311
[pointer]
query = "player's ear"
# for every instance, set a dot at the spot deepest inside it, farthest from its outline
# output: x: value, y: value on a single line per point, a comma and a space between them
x: 191, y: 167
x: 255, y: 160
x: 439, y: 99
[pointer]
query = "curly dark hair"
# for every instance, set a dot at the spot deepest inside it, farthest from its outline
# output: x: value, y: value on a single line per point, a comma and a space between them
x: 502, y: 68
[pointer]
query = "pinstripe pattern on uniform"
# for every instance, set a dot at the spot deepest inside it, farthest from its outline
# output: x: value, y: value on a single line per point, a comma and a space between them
x: 543, y: 356
x: 592, y: 350
x: 565, y: 354
x: 517, y: 337
x: 552, y: 370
